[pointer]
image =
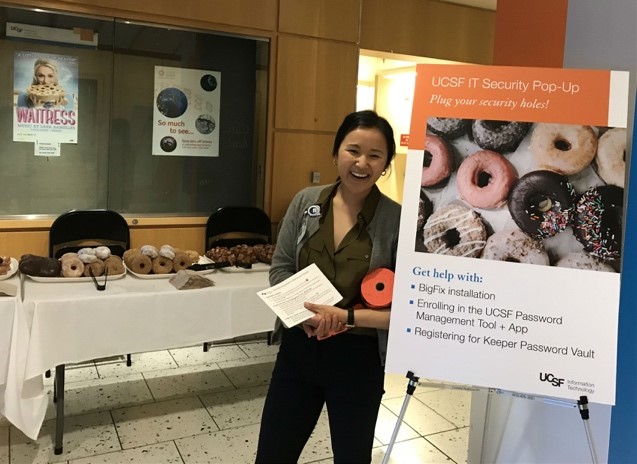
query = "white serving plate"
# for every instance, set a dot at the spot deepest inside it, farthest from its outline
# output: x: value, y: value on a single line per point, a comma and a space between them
x: 100, y: 279
x: 202, y: 260
x: 13, y: 268
x: 256, y: 267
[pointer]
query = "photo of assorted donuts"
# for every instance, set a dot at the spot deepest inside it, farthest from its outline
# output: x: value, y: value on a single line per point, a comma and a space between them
x: 536, y: 193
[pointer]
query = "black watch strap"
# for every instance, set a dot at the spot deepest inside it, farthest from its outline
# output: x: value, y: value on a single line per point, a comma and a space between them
x: 350, y: 318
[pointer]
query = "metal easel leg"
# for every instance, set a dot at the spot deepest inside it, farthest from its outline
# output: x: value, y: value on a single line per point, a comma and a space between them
x: 582, y: 405
x: 59, y: 409
x: 411, y: 386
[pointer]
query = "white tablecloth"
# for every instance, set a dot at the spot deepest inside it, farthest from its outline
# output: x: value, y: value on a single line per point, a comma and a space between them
x: 73, y: 322
x: 8, y: 306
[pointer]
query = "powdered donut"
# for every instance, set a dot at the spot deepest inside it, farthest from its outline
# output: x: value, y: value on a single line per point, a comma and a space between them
x: 485, y: 178
x: 515, y: 246
x: 162, y: 265
x: 597, y: 221
x: 114, y: 265
x: 87, y: 251
x: 500, y: 136
x: 87, y: 258
x: 611, y: 156
x: 448, y: 128
x: 564, y: 149
x: 541, y: 203
x: 582, y: 260
x: 167, y: 252
x: 149, y: 251
x: 102, y: 252
x: 140, y: 264
x: 97, y: 267
x: 181, y: 261
x: 72, y: 267
x: 455, y: 230
x: 437, y: 163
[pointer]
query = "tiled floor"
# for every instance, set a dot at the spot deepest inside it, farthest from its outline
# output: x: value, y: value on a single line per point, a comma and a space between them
x: 190, y: 406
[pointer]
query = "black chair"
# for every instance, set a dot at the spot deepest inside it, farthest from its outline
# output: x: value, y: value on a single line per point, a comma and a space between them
x: 77, y: 229
x: 237, y: 225
x: 81, y: 228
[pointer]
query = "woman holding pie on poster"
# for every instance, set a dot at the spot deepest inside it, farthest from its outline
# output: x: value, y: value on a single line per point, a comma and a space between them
x: 45, y: 89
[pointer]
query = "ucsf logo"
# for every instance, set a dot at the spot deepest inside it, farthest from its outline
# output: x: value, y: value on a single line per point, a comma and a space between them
x: 544, y: 377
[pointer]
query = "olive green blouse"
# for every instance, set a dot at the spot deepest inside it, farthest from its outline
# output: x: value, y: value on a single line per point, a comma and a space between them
x: 347, y: 265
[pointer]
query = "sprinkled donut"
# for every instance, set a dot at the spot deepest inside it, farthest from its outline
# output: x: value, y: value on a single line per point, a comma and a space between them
x: 582, y: 260
x: 500, y: 136
x: 449, y: 128
x: 455, y: 230
x: 565, y: 149
x: 437, y: 162
x: 611, y: 156
x: 516, y: 247
x: 597, y: 222
x: 485, y: 178
x: 541, y: 203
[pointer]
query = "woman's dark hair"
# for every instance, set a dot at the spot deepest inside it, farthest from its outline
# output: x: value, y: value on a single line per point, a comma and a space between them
x: 368, y: 119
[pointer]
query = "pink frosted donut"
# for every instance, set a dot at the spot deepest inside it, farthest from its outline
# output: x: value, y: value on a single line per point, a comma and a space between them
x: 485, y: 178
x: 437, y: 162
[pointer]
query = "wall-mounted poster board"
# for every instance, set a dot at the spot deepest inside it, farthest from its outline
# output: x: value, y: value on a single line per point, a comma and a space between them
x: 511, y: 230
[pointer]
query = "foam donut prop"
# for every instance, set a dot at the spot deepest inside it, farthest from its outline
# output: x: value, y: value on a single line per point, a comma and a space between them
x: 485, y: 178
x: 565, y: 149
x: 437, y: 163
x: 541, y: 203
x: 597, y: 222
x: 500, y: 136
x: 377, y: 288
x: 611, y: 156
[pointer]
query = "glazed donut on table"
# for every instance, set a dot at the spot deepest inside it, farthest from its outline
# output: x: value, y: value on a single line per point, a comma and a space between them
x: 598, y: 221
x: 611, y: 156
x: 541, y: 203
x: 485, y: 178
x: 437, y: 162
x: 565, y: 149
x: 500, y: 136
x: 448, y: 128
x: 455, y: 230
x: 515, y: 246
x: 72, y: 267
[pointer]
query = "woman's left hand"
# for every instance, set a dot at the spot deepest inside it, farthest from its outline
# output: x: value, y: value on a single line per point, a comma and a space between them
x: 326, y: 321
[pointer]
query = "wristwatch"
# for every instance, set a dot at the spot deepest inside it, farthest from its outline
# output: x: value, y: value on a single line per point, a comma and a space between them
x: 350, y: 318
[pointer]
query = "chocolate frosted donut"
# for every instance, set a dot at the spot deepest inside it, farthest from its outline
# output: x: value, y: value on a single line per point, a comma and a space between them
x: 516, y: 247
x: 425, y: 208
x: 39, y: 266
x: 437, y: 162
x: 500, y: 136
x: 455, y: 230
x: 597, y: 221
x: 541, y: 203
x: 448, y: 128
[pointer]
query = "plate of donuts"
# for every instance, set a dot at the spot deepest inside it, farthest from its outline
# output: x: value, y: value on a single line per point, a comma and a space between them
x: 153, y: 275
x: 74, y: 279
x: 13, y: 268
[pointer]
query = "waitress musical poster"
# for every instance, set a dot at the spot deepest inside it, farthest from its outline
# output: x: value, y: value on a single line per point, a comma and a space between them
x: 45, y: 102
x: 511, y: 230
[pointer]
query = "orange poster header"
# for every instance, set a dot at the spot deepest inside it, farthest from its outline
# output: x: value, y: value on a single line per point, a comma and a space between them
x: 503, y: 93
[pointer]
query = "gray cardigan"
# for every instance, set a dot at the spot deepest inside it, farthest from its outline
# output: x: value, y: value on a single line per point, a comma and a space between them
x: 298, y: 226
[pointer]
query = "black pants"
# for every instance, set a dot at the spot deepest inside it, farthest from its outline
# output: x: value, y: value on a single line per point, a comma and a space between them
x: 343, y: 372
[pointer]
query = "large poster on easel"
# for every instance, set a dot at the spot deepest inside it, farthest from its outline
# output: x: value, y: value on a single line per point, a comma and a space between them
x: 511, y: 230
